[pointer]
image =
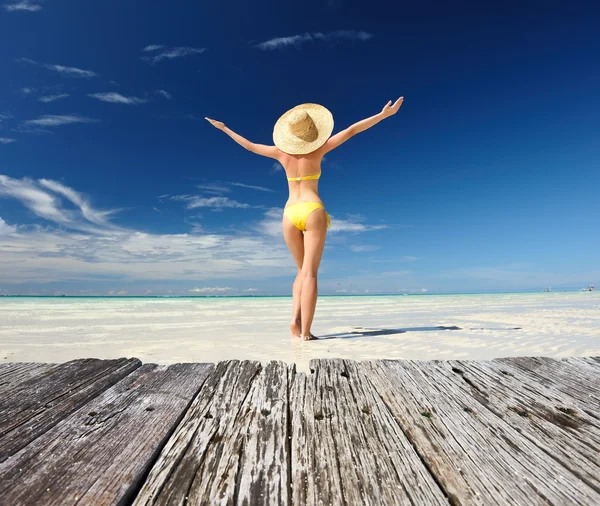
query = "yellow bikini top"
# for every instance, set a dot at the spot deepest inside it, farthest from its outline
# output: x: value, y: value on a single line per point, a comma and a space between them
x: 304, y: 178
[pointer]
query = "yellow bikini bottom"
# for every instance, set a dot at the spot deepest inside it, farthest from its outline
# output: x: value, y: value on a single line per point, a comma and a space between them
x: 299, y: 213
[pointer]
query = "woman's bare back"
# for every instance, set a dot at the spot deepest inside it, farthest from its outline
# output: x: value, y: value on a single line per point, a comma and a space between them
x: 300, y: 166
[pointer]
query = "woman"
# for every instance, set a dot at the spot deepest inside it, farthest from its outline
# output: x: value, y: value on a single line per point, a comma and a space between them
x: 302, y: 137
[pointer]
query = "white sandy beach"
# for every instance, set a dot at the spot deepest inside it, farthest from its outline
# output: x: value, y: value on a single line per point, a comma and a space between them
x: 368, y: 327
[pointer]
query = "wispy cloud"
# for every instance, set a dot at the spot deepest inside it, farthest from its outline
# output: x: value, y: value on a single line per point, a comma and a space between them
x: 271, y: 224
x: 153, y: 47
x: 5, y: 228
x: 117, y: 98
x: 276, y: 167
x: 6, y: 140
x: 61, y: 69
x: 297, y: 40
x: 164, y: 94
x: 46, y: 204
x: 80, y: 243
x: 215, y: 189
x: 395, y: 273
x: 25, y: 5
x: 216, y: 203
x: 218, y: 199
x: 77, y: 241
x: 5, y: 115
x: 366, y: 248
x: 54, y: 120
x: 338, y: 225
x: 169, y: 53
x: 211, y: 289
x: 87, y: 211
x: 52, y: 98
x: 259, y: 188
x: 222, y: 290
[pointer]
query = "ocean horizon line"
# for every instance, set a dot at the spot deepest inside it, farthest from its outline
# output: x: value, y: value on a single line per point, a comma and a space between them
x: 215, y: 296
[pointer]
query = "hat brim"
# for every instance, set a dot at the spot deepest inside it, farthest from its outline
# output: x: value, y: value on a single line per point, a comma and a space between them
x: 293, y: 145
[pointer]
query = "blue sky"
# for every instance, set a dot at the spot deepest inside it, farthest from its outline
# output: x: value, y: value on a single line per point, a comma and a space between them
x: 111, y: 181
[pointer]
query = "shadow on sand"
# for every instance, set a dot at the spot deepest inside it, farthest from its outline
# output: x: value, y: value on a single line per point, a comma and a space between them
x: 361, y: 332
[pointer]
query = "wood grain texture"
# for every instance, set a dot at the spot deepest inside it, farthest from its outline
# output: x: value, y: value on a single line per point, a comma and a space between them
x: 34, y: 406
x: 12, y: 374
x: 522, y: 431
x: 101, y: 453
x: 346, y: 446
x: 582, y: 384
x: 550, y: 419
x: 475, y: 455
x: 232, y: 446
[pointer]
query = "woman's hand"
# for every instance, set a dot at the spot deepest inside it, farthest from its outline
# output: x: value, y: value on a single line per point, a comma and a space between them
x: 216, y: 124
x: 389, y: 109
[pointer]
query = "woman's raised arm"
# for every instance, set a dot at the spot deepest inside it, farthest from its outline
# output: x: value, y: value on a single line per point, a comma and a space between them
x: 259, y: 149
x: 338, y: 139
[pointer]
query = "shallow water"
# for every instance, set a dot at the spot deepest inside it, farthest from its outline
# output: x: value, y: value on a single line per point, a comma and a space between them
x: 170, y: 330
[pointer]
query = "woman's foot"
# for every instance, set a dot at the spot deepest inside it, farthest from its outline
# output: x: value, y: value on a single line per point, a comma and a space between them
x: 309, y: 337
x: 295, y: 328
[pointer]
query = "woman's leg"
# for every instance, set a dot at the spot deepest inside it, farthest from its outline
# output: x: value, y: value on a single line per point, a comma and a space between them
x: 314, y: 242
x: 295, y: 243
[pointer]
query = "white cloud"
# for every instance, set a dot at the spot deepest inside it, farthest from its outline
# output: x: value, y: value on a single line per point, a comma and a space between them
x: 79, y: 243
x: 169, y: 53
x: 279, y: 42
x: 5, y: 228
x: 213, y: 188
x: 364, y: 248
x: 52, y: 98
x: 164, y: 93
x: 117, y: 98
x: 53, y: 120
x: 338, y: 225
x: 297, y: 40
x: 44, y: 204
x: 6, y: 140
x: 25, y: 5
x: 276, y: 167
x: 61, y: 69
x: 27, y: 91
x: 271, y: 224
x: 71, y: 71
x: 209, y: 289
x: 215, y: 202
x: 90, y: 214
x: 153, y: 47
x: 260, y: 188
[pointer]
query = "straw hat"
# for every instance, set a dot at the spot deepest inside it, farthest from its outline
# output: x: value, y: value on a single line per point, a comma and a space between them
x: 303, y: 129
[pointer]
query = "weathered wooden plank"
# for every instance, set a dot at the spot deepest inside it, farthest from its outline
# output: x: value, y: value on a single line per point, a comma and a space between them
x: 343, y: 432
x: 232, y: 446
x: 591, y: 365
x: 581, y: 385
x: 475, y: 456
x: 101, y: 453
x: 550, y: 419
x: 315, y: 473
x: 14, y: 373
x: 34, y: 406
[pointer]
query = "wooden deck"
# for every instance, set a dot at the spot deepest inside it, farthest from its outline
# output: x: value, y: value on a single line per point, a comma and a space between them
x: 508, y: 431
